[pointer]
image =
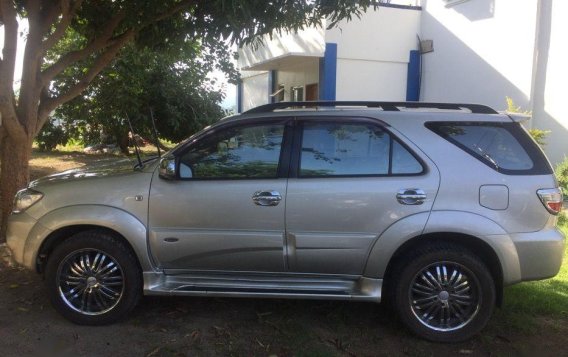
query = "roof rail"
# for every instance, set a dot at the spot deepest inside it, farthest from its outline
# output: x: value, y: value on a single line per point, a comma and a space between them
x: 387, y: 106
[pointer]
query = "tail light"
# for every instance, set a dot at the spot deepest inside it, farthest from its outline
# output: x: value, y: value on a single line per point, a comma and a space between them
x: 551, y: 198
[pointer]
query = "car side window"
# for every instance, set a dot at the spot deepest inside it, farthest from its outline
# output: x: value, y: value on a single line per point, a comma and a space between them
x: 233, y: 153
x: 345, y: 149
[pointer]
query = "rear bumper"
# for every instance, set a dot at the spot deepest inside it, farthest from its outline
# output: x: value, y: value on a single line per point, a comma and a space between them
x: 540, y: 253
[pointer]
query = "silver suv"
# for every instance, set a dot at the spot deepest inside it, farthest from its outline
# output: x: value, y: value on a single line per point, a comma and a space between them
x: 432, y: 207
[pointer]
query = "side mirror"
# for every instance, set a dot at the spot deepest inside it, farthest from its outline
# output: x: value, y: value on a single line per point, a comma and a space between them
x: 168, y: 168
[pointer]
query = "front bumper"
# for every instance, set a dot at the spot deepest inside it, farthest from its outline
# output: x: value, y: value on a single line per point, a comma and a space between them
x: 24, y: 236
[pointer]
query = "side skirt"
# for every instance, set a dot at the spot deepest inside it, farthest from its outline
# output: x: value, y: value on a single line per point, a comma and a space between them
x: 267, y: 285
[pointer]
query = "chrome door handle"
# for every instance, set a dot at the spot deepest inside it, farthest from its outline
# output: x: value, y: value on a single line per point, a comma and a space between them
x: 266, y: 198
x: 411, y: 196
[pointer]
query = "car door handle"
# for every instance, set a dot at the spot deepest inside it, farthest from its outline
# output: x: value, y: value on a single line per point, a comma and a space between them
x: 266, y: 198
x: 411, y: 196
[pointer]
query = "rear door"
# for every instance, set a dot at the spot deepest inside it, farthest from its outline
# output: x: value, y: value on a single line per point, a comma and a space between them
x: 350, y: 180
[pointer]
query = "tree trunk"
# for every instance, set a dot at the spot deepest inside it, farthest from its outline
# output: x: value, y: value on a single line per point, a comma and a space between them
x: 14, y: 174
x: 122, y: 140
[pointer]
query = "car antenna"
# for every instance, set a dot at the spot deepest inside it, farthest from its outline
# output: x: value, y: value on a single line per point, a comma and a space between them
x: 140, y: 164
x: 155, y: 132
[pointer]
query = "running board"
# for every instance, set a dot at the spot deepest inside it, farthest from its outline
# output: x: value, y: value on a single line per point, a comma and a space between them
x: 300, y: 286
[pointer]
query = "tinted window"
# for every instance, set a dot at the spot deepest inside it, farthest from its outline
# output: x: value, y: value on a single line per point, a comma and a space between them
x: 244, y: 152
x: 402, y: 161
x: 497, y: 145
x: 491, y: 143
x: 331, y: 149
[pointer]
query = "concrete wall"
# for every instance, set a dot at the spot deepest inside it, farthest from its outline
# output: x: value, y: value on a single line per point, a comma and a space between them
x: 483, y: 51
x: 549, y: 104
x: 254, y: 89
x: 373, y: 53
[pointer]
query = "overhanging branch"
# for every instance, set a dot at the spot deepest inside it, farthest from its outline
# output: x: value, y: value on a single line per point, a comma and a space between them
x: 67, y: 11
x: 49, y: 104
x: 95, y: 45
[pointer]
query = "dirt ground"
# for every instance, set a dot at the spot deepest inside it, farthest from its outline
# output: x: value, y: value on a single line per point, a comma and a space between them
x: 172, y: 326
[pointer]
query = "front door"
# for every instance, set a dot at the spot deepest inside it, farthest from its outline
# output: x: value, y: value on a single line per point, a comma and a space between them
x: 343, y: 193
x: 226, y: 210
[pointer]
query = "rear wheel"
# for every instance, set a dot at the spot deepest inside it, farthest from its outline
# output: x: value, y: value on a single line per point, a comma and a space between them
x: 443, y: 293
x: 93, y: 278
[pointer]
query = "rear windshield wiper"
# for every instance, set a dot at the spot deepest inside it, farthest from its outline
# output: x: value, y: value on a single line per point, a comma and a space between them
x: 486, y: 156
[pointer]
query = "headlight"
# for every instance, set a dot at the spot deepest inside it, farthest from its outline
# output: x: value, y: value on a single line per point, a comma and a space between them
x: 25, y: 199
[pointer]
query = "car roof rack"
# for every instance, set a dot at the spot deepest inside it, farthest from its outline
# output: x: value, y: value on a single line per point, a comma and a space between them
x: 386, y: 106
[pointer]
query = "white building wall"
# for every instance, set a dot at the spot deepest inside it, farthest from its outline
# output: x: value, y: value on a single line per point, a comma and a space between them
x: 373, y: 53
x: 254, y: 89
x: 308, y: 42
x: 370, y: 80
x: 483, y: 51
x: 298, y: 76
x: 550, y: 107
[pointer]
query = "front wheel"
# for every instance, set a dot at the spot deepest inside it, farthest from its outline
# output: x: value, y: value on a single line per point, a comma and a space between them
x: 444, y: 293
x: 93, y: 279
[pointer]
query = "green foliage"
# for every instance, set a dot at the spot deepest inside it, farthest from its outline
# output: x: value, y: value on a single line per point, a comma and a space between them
x: 537, y: 134
x: 562, y: 176
x: 50, y: 136
x: 172, y: 80
x: 512, y: 108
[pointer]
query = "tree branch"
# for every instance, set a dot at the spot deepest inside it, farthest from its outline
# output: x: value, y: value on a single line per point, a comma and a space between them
x: 49, y: 104
x: 10, y: 43
x: 95, y: 45
x: 31, y: 85
x: 68, y: 11
x: 7, y: 102
x: 172, y: 11
x: 106, y: 43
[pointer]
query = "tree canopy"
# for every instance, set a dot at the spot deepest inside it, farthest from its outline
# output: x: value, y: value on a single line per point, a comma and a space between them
x: 171, y: 80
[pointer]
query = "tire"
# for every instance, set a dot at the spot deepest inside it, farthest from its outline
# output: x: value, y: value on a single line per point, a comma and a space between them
x: 93, y: 278
x: 440, y: 307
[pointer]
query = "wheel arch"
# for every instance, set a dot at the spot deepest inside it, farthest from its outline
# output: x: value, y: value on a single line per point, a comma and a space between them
x: 58, y: 236
x: 472, y: 243
x: 62, y: 223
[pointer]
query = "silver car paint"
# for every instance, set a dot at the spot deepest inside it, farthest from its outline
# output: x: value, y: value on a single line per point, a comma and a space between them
x: 217, y: 226
x: 104, y: 197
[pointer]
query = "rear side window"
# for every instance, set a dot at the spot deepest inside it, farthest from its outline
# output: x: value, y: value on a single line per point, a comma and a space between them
x: 505, y: 147
x: 358, y: 149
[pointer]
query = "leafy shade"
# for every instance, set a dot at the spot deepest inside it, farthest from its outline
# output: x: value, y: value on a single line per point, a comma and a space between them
x: 171, y: 80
